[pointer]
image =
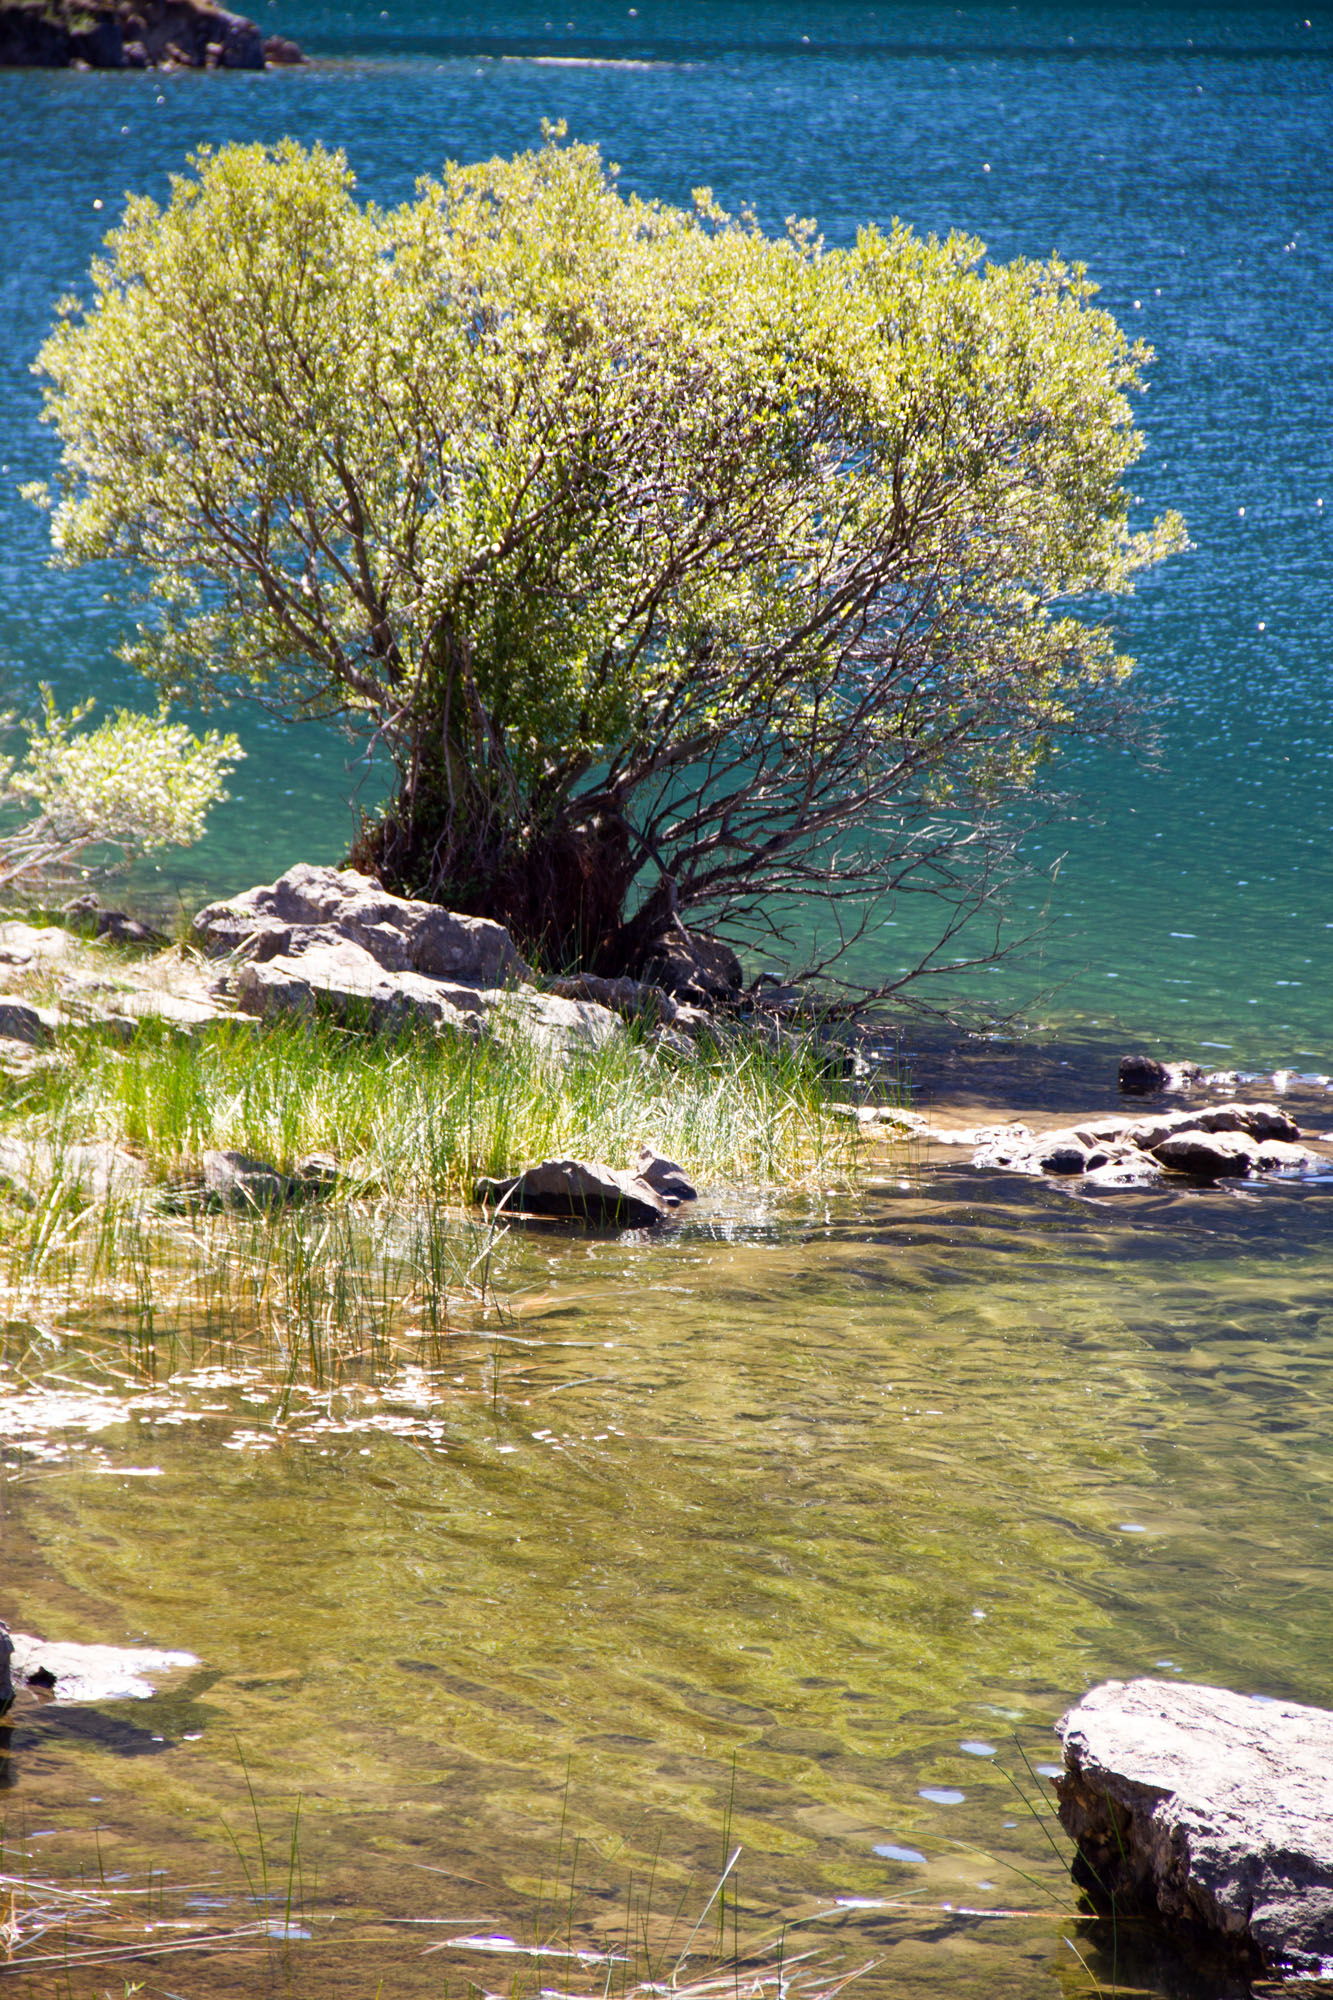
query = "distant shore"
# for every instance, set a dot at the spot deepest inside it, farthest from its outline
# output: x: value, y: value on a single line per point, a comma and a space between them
x: 136, y: 34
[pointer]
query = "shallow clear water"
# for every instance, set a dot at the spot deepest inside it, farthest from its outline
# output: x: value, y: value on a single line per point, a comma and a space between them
x: 1183, y: 153
x: 792, y: 1525
x: 790, y: 1530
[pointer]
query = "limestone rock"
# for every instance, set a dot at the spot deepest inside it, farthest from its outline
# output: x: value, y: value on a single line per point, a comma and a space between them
x: 551, y: 1022
x: 98, y: 1168
x: 317, y: 908
x: 1212, y: 1809
x: 576, y: 1190
x: 343, y: 979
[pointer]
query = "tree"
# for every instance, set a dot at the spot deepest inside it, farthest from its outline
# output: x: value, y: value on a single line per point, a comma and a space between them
x: 105, y: 796
x: 678, y: 568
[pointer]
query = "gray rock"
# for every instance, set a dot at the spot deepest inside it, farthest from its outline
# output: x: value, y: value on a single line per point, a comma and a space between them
x: 29, y: 945
x: 632, y: 999
x: 663, y: 1176
x: 576, y: 1190
x: 1275, y: 1156
x: 1212, y: 1810
x: 68, y: 1671
x: 1224, y: 1141
x: 548, y: 1020
x: 98, y: 1168
x: 234, y: 1180
x: 312, y: 907
x: 237, y: 1180
x: 344, y: 980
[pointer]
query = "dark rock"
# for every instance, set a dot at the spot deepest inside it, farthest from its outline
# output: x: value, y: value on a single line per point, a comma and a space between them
x: 21, y: 1023
x: 1207, y: 1156
x: 1210, y: 1810
x: 101, y: 46
x: 89, y: 919
x: 664, y: 1177
x: 115, y: 34
x: 6, y: 1675
x: 32, y: 39
x: 282, y: 52
x: 576, y: 1190
x: 1066, y: 1158
x: 1141, y: 1076
x: 234, y: 1180
x: 691, y: 967
x: 41, y: 1677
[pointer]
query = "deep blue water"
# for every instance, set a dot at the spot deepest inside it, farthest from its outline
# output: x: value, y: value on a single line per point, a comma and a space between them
x: 1183, y: 153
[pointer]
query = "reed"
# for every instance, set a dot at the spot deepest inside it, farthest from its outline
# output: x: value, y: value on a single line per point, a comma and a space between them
x: 420, y: 1116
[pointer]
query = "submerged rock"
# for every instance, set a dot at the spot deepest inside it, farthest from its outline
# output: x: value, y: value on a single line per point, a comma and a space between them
x: 1211, y: 1810
x: 579, y: 1190
x: 1143, y: 1076
x: 63, y: 1670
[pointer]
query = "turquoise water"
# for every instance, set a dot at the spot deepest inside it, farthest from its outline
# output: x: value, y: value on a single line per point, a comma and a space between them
x: 1184, y: 154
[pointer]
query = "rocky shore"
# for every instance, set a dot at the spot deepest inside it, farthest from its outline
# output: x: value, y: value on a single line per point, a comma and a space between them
x: 331, y: 944
x: 136, y: 34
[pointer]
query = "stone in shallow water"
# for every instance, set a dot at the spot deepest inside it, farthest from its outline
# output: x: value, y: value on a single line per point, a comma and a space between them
x: 1212, y: 1809
x: 576, y: 1190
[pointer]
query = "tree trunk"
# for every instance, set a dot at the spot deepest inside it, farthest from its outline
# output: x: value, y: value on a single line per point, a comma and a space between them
x: 561, y: 890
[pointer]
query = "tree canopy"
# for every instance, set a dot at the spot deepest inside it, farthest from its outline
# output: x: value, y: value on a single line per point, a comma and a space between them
x: 679, y: 568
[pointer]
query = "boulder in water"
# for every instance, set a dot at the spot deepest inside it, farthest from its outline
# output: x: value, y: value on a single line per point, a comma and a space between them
x: 1211, y: 1810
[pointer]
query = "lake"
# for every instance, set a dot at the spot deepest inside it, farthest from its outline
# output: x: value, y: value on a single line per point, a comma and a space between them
x: 795, y: 1529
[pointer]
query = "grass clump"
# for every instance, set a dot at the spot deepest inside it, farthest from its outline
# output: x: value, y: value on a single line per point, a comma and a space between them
x: 420, y: 1116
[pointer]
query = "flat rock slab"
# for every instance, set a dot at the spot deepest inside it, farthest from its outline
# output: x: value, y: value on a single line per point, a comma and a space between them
x: 1212, y: 1809
x: 63, y: 1670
